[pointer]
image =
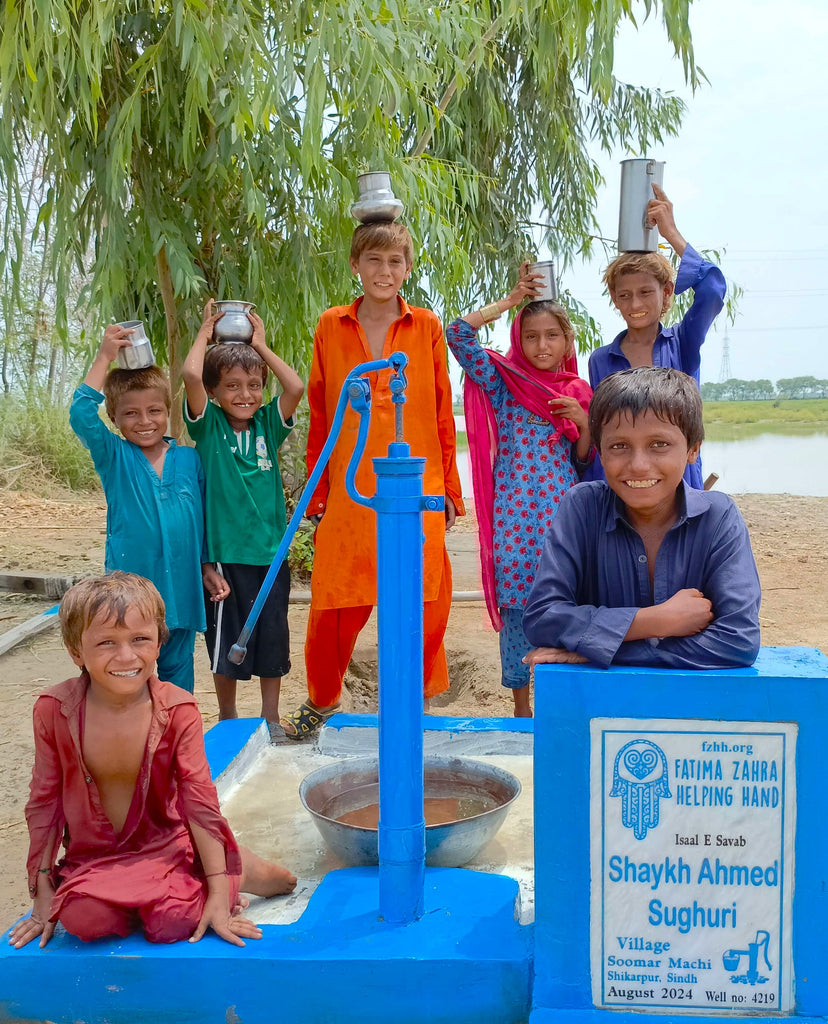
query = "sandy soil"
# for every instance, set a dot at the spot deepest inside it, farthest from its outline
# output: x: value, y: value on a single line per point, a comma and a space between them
x: 790, y: 541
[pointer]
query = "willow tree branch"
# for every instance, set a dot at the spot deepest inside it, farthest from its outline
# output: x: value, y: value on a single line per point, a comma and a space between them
x: 452, y: 87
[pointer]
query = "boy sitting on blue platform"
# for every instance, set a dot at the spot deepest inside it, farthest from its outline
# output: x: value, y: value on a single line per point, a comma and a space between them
x: 643, y: 569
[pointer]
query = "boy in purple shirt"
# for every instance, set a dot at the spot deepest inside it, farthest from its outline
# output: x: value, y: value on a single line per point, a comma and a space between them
x: 641, y: 288
x: 642, y: 569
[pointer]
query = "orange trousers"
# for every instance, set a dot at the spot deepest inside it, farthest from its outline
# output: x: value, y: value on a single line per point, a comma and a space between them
x: 332, y: 634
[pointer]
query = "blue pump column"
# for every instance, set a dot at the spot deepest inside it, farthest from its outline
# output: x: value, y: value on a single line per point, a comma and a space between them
x: 399, y: 503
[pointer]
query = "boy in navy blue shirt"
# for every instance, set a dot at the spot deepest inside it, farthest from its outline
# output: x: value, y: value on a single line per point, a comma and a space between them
x: 643, y: 569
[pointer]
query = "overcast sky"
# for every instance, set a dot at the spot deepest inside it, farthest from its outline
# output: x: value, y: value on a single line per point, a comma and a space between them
x: 746, y: 173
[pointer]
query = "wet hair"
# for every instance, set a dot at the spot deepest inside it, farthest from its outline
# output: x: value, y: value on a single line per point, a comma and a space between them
x: 113, y: 595
x: 120, y: 382
x: 228, y: 357
x: 669, y: 394
x: 382, y: 235
x: 547, y: 306
x: 652, y: 263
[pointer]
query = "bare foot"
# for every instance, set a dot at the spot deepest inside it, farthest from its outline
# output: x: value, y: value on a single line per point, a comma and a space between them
x: 262, y: 877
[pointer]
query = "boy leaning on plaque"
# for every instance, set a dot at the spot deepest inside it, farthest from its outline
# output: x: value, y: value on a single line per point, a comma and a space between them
x: 642, y: 569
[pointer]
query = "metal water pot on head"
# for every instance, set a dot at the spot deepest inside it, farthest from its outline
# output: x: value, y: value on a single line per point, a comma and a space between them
x: 376, y: 201
x: 635, y: 233
x: 138, y: 354
x: 233, y: 328
x: 549, y: 288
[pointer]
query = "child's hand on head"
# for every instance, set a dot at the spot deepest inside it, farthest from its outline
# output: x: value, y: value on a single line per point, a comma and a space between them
x: 209, y: 318
x: 258, y: 341
x: 527, y: 287
x: 115, y: 338
x: 660, y: 213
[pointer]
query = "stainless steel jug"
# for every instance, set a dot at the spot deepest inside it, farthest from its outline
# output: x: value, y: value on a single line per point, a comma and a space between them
x: 637, y: 179
x: 549, y: 291
x: 138, y: 354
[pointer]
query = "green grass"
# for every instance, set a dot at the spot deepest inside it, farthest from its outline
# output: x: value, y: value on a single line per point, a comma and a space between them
x: 810, y: 411
x: 38, y: 447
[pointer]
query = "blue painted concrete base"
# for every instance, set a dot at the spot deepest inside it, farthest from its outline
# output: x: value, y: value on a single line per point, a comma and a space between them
x: 466, y: 960
x: 629, y: 1017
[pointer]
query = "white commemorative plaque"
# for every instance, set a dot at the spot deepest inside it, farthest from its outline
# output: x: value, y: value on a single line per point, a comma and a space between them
x: 692, y: 862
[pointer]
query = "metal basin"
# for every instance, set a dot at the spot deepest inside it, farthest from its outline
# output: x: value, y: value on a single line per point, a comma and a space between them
x: 474, y: 795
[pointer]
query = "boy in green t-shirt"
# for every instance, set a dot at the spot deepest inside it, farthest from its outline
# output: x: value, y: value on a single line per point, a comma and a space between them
x: 238, y: 439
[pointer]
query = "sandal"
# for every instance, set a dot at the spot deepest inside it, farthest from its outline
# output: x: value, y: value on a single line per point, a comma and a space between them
x: 306, y: 721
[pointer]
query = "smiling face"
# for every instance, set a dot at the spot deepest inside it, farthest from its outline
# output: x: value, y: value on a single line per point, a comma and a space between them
x: 141, y: 416
x: 239, y: 393
x: 543, y: 340
x: 644, y: 462
x: 641, y: 299
x: 119, y: 658
x: 382, y: 272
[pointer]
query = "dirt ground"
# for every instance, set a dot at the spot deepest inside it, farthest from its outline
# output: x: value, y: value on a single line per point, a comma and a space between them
x: 66, y: 536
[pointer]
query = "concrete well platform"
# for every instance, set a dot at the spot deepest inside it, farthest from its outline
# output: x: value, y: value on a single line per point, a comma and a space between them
x: 331, y: 958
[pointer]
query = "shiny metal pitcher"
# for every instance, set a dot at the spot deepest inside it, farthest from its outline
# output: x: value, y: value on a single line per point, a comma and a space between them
x: 549, y: 289
x: 138, y: 354
x: 638, y: 176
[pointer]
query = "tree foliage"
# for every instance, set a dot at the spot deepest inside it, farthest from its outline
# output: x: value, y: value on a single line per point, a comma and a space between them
x: 210, y: 147
x: 737, y: 390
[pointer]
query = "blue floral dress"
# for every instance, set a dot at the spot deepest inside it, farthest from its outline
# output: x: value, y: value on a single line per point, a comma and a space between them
x: 530, y: 478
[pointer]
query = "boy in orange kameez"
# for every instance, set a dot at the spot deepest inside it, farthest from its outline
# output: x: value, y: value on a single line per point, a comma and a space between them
x: 344, y: 582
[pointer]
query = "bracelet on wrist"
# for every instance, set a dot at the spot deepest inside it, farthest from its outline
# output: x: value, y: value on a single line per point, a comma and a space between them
x: 215, y: 874
x: 44, y: 871
x: 491, y: 312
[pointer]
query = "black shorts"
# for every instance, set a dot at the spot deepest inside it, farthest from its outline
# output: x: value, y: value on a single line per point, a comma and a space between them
x: 268, y: 649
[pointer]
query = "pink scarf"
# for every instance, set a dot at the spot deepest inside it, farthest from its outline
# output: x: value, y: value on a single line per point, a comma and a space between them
x: 533, y: 389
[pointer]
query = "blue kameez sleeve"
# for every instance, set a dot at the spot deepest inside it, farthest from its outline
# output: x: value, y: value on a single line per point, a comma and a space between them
x: 90, y: 428
x: 462, y: 339
x: 709, y: 288
x: 731, y: 584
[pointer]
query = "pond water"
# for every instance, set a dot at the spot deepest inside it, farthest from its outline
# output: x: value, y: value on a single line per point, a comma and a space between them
x: 751, y: 459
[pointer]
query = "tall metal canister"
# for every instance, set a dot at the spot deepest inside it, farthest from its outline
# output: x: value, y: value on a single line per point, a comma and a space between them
x: 637, y: 179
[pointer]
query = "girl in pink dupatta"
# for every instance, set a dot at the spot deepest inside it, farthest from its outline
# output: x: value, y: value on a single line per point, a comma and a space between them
x: 526, y: 420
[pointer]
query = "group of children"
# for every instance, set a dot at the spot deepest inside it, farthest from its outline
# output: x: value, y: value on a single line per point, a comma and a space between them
x: 638, y: 565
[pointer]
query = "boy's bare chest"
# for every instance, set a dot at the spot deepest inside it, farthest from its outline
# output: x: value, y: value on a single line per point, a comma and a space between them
x: 114, y: 746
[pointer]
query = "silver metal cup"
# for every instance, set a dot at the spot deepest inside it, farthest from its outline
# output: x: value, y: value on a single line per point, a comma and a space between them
x: 635, y: 234
x: 549, y: 291
x: 234, y: 328
x: 138, y: 354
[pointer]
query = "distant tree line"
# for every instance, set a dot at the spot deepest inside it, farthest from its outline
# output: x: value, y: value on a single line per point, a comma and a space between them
x: 735, y: 390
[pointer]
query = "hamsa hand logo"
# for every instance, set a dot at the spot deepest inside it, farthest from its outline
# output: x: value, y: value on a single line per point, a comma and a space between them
x: 640, y: 778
